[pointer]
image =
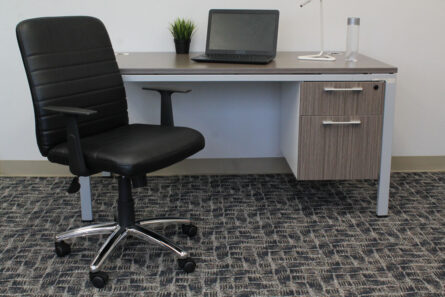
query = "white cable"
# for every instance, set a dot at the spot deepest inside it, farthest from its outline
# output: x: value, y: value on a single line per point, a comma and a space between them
x: 321, y: 28
x: 305, y: 2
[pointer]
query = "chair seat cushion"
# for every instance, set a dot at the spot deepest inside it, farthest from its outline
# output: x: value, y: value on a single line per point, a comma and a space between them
x: 135, y: 149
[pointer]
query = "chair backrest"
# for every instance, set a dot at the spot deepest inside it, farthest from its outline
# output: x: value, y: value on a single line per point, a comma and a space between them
x: 69, y: 61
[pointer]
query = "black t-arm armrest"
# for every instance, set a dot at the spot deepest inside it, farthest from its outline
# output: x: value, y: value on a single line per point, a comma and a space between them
x: 76, y: 160
x: 166, y: 103
x: 170, y: 90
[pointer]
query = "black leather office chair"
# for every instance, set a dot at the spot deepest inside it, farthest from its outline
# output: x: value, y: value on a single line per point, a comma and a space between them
x: 81, y: 121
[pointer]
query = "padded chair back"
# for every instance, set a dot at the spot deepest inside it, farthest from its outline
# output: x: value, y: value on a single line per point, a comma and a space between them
x: 69, y: 61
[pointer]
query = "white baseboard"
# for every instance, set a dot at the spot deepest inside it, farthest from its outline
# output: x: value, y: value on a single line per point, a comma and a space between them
x: 418, y: 163
x: 186, y: 167
x: 215, y: 166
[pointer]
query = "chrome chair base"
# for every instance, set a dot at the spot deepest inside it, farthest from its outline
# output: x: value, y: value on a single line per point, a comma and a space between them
x: 117, y: 233
x: 126, y: 225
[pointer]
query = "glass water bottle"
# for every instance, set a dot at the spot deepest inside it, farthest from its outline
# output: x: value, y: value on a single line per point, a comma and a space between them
x: 352, y: 39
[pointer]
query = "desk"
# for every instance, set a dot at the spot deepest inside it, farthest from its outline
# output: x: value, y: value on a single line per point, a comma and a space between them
x: 298, y: 88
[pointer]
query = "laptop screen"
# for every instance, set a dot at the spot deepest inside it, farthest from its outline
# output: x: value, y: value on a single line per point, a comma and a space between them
x: 242, y: 32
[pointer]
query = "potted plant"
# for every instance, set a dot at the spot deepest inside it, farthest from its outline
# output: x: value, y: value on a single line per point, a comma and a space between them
x: 182, y: 31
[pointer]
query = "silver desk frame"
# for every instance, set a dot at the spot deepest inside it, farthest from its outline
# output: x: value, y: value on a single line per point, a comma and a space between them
x: 388, y: 117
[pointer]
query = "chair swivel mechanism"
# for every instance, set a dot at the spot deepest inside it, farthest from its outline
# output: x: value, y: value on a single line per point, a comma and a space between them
x: 81, y: 121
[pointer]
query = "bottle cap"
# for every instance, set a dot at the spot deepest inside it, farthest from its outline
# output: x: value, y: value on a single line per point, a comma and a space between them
x: 354, y: 21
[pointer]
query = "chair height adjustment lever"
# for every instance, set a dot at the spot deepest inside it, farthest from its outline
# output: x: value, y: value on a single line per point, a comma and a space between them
x: 139, y: 181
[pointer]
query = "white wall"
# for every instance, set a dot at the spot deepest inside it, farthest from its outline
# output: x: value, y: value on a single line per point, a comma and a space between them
x: 406, y: 33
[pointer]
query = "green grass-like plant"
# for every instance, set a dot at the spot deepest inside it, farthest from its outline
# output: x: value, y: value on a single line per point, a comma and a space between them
x: 182, y: 29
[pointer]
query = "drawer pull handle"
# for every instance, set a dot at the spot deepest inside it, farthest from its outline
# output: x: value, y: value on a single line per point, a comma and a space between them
x: 356, y: 89
x: 330, y: 123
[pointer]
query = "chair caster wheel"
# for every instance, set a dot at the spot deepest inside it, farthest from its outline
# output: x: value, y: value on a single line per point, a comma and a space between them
x: 74, y: 187
x: 99, y: 279
x: 62, y: 248
x: 187, y: 264
x: 189, y: 230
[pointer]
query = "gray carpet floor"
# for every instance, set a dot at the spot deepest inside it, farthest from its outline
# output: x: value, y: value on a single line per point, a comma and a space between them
x: 259, y: 235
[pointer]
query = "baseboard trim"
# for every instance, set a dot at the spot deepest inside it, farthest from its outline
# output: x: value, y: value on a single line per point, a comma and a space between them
x: 32, y: 168
x: 215, y: 166
x: 418, y: 163
x: 186, y: 167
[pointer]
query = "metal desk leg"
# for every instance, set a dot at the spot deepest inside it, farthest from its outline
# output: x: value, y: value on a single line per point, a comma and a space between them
x: 385, y: 161
x: 85, y: 198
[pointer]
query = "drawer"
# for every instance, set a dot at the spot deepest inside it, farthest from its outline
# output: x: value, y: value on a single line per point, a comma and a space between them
x: 342, y: 98
x: 339, y: 147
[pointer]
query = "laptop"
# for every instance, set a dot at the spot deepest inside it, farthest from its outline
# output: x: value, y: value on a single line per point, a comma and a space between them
x: 241, y: 36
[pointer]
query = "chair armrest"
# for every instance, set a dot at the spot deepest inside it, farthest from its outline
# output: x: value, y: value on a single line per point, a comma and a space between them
x: 76, y: 160
x: 166, y: 103
x: 71, y: 110
x: 169, y: 90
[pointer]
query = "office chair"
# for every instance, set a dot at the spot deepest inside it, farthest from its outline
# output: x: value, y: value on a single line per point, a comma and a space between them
x: 81, y: 120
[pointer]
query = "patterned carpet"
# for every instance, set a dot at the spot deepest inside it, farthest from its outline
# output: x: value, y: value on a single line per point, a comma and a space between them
x: 260, y: 235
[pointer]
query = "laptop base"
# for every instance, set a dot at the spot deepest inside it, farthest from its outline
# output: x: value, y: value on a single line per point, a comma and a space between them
x: 235, y: 60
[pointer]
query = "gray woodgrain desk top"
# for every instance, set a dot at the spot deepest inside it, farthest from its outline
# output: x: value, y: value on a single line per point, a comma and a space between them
x: 151, y: 63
